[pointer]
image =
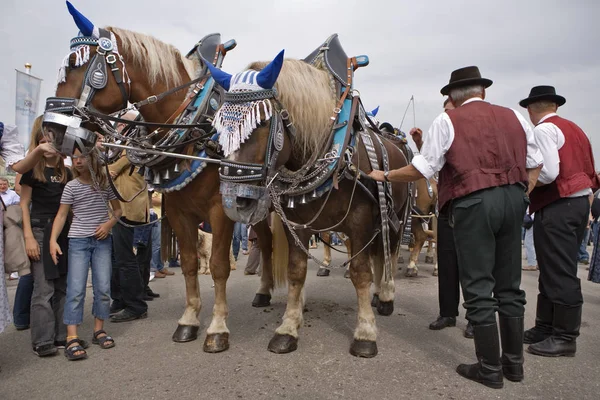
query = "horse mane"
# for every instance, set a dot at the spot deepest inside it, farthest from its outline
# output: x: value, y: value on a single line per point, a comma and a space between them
x: 306, y: 93
x: 158, y: 58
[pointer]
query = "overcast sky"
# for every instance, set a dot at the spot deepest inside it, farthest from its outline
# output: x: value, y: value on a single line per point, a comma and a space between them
x: 413, y: 45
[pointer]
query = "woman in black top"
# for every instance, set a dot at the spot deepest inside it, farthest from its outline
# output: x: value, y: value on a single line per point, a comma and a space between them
x: 42, y: 188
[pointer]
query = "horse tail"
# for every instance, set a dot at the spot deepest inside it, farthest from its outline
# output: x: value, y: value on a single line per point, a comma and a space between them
x: 280, y: 252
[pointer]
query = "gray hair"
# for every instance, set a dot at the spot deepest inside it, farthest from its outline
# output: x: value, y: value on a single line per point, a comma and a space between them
x: 542, y: 106
x: 4, y: 179
x: 461, y: 94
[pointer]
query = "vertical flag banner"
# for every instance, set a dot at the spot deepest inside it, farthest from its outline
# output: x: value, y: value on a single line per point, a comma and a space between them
x: 26, y: 110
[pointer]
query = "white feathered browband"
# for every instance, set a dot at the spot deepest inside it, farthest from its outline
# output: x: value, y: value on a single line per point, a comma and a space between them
x: 82, y: 55
x: 235, y: 121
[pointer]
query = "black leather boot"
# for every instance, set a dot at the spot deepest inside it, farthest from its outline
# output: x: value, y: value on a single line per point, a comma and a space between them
x: 567, y: 321
x: 511, y: 335
x: 543, y: 321
x: 488, y: 371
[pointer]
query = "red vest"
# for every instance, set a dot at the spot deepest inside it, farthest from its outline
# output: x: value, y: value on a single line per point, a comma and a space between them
x: 576, y: 170
x: 489, y: 150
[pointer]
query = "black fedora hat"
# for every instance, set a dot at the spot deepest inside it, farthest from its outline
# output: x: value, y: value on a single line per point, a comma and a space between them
x: 538, y: 93
x: 464, y: 77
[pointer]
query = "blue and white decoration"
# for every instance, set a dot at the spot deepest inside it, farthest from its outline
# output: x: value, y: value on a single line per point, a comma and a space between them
x: 82, y: 51
x: 235, y: 122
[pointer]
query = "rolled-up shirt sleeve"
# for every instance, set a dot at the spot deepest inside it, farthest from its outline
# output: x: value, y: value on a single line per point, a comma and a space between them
x: 546, y: 137
x: 436, y: 143
x: 11, y: 150
x: 534, y: 155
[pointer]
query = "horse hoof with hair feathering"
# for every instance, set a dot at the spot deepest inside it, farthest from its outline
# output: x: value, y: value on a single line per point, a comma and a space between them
x: 275, y: 126
x: 326, y: 239
x: 109, y: 68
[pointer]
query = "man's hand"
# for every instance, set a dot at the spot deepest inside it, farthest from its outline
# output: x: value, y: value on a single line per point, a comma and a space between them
x: 377, y: 175
x: 416, y: 131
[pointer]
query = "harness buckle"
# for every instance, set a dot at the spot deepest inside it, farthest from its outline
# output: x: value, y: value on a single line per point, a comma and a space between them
x: 111, y: 58
x: 152, y: 99
x: 337, y: 110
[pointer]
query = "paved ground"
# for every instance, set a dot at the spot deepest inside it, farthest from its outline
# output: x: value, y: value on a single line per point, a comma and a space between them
x: 413, y: 362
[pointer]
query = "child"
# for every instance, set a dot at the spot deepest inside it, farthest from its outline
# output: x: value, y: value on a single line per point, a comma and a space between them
x: 42, y: 188
x: 90, y: 243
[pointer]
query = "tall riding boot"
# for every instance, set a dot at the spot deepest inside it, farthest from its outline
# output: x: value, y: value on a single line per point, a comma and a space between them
x: 567, y: 321
x: 511, y: 336
x: 488, y: 371
x: 543, y: 321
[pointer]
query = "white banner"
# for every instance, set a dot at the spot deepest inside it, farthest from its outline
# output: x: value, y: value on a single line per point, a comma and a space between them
x: 26, y: 110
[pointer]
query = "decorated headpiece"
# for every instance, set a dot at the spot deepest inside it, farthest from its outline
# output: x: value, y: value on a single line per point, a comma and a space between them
x: 240, y: 115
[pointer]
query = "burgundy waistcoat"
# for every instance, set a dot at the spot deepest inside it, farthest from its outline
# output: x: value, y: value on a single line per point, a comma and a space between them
x: 489, y: 150
x: 576, y: 170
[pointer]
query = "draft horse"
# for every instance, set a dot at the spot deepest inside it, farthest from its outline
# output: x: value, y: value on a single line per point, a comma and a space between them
x: 423, y: 213
x: 111, y: 67
x: 293, y: 142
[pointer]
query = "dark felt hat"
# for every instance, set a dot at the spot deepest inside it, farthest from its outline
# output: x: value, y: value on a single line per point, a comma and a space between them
x: 538, y: 93
x: 465, y: 77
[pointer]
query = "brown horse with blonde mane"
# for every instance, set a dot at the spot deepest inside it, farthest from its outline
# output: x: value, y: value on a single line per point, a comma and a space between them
x: 283, y: 137
x: 143, y: 66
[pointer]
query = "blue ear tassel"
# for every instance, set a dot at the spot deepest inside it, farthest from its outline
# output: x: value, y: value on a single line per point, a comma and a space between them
x: 267, y: 77
x: 85, y: 25
x: 221, y: 77
x: 375, y: 111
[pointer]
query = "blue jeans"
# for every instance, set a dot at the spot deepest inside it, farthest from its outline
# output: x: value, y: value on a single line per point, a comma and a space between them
x: 583, y: 253
x: 22, y: 307
x: 156, y: 263
x: 83, y: 253
x: 240, y: 237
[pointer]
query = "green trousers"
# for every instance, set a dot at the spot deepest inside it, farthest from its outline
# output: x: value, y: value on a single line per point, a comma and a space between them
x: 487, y: 233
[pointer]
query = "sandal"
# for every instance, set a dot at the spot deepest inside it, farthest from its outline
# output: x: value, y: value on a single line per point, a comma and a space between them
x: 102, y: 340
x: 45, y: 350
x: 70, y: 351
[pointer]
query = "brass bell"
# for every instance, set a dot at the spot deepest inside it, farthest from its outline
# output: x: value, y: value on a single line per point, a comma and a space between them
x: 166, y: 174
x: 303, y: 199
x: 156, y: 180
x: 314, y: 194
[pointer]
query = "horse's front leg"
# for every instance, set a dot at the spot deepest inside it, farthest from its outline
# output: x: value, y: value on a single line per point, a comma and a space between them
x: 217, y: 334
x: 365, y: 334
x: 262, y: 298
x: 285, y: 339
x: 187, y: 234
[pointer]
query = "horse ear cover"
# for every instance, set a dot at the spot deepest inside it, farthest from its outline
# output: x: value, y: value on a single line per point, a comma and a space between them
x: 268, y: 76
x: 85, y: 25
x: 222, y: 78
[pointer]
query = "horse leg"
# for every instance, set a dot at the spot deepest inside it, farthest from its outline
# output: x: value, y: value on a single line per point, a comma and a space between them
x: 365, y: 335
x: 326, y: 239
x: 420, y: 238
x: 186, y: 230
x: 217, y: 334
x: 262, y: 298
x: 285, y: 339
x: 429, y: 255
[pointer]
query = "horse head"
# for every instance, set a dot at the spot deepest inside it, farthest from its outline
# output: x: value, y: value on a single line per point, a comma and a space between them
x: 253, y: 136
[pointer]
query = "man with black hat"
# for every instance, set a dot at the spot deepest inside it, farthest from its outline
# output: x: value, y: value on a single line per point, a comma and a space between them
x: 562, y: 206
x: 487, y: 158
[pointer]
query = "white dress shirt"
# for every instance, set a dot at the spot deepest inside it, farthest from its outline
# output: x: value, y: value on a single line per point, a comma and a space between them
x: 10, y: 197
x: 550, y: 140
x: 439, y: 138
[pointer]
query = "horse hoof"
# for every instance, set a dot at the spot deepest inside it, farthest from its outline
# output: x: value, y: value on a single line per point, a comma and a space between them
x: 261, y: 300
x: 347, y: 274
x: 363, y: 348
x: 375, y: 301
x: 411, y: 272
x: 429, y: 259
x: 282, y: 344
x: 185, y: 333
x: 435, y: 272
x: 323, y: 271
x: 385, y: 307
x: 216, y: 342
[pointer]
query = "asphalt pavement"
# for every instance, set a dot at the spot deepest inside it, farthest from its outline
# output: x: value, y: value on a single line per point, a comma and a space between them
x: 413, y: 361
